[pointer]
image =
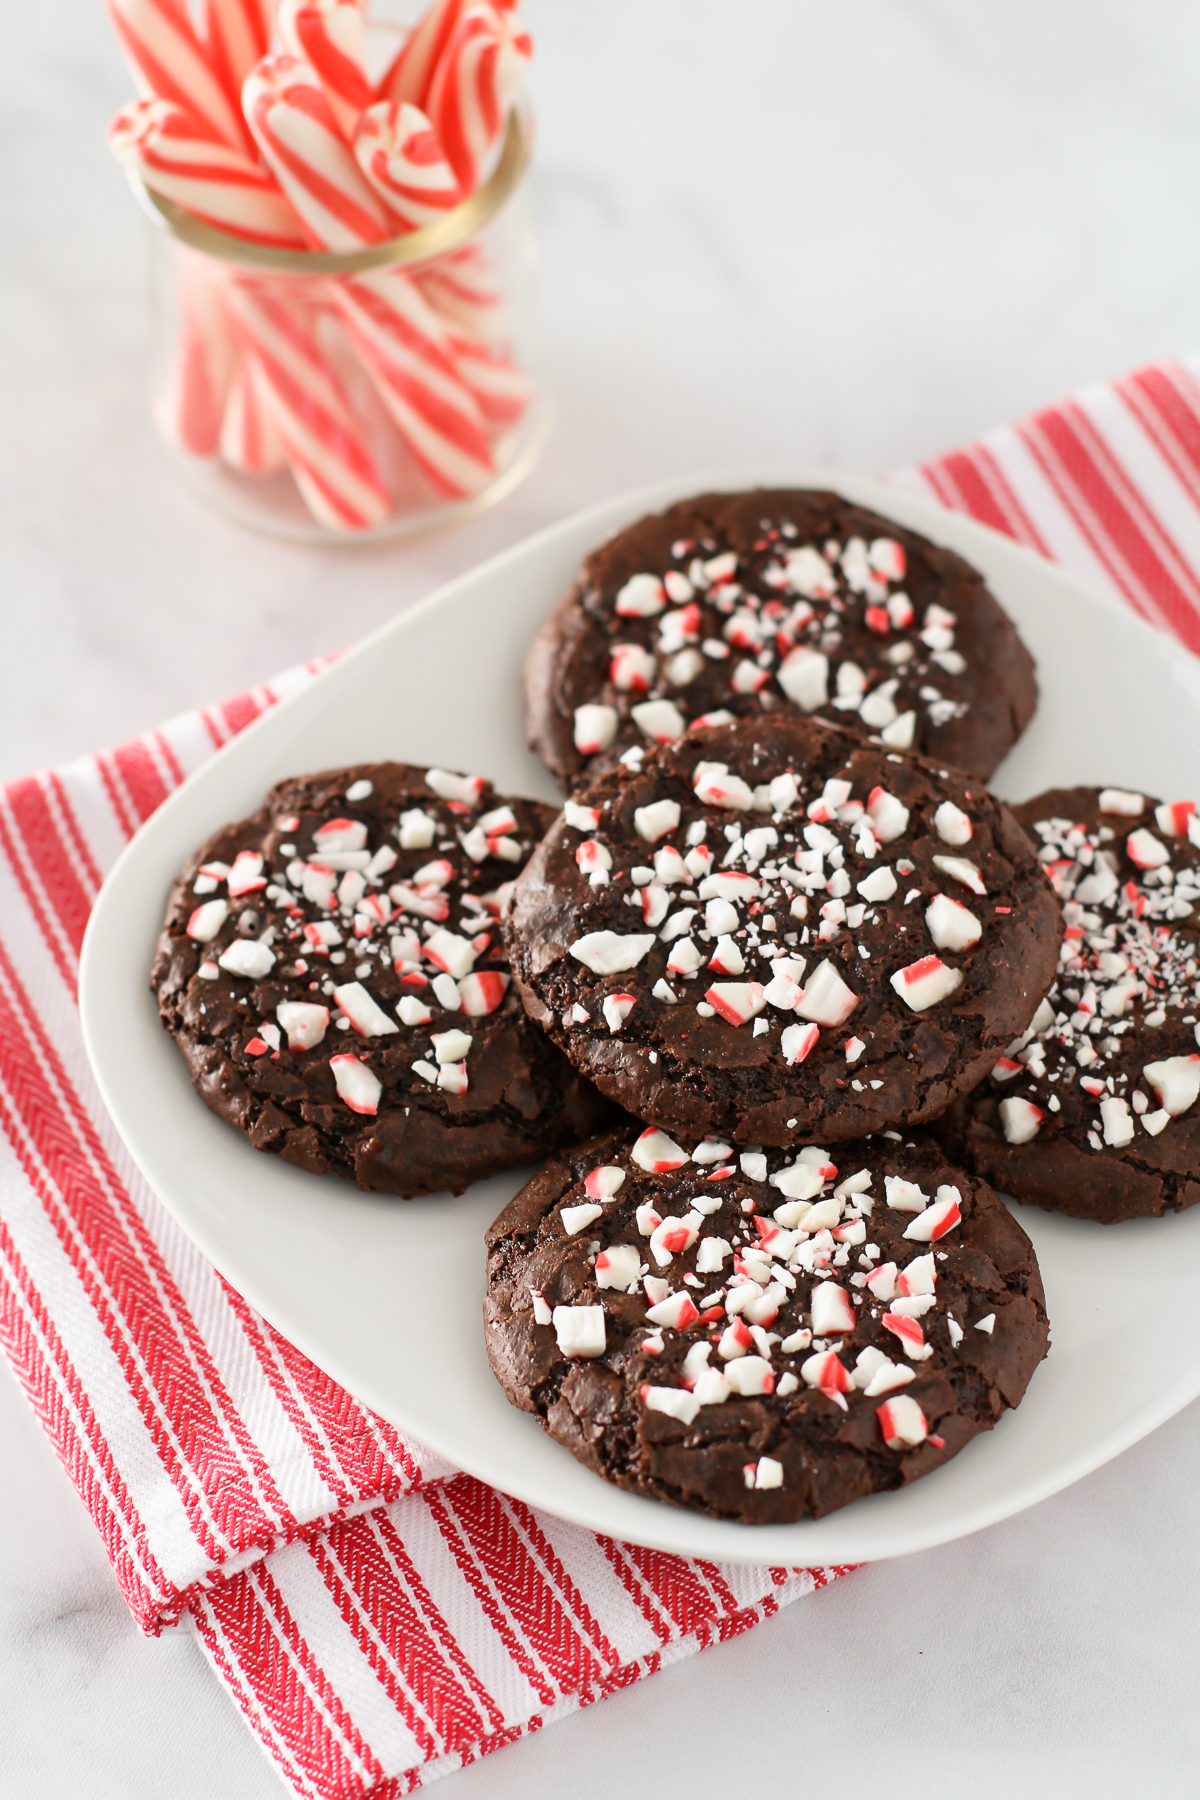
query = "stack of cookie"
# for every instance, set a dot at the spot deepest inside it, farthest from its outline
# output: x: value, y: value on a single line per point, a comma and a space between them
x: 779, y: 925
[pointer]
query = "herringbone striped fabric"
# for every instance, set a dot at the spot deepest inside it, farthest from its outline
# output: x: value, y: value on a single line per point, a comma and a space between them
x: 379, y: 1618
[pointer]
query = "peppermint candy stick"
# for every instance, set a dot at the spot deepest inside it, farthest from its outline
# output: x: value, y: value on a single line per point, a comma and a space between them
x: 178, y: 156
x: 167, y: 61
x: 412, y: 68
x: 188, y: 412
x: 250, y: 441
x: 328, y: 35
x: 235, y: 34
x: 325, y: 444
x: 294, y: 127
x: 473, y: 86
x: 462, y: 288
x: 397, y: 150
x: 497, y: 384
x: 403, y: 350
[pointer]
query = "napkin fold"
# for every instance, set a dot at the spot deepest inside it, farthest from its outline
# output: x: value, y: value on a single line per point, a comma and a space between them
x: 378, y: 1617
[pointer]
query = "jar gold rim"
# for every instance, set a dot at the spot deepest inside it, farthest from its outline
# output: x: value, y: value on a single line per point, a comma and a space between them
x: 450, y: 232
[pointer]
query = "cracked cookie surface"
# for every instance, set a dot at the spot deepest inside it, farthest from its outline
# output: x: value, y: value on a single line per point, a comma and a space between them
x: 758, y: 1338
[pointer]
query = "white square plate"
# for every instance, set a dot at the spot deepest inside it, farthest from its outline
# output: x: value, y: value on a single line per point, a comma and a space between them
x: 346, y: 1275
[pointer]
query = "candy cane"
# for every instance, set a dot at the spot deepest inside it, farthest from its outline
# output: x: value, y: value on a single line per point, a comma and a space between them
x: 189, y: 409
x: 250, y: 440
x: 328, y: 34
x: 473, y: 85
x: 412, y: 68
x: 235, y: 34
x: 178, y: 156
x: 404, y: 352
x: 497, y: 384
x: 397, y: 150
x: 167, y: 60
x: 324, y: 442
x: 294, y: 127
x: 462, y: 287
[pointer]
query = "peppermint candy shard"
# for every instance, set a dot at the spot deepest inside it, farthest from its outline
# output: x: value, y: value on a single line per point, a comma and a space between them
x: 660, y: 720
x: 245, y: 957
x: 737, y: 1002
x: 580, y: 1330
x: 595, y: 728
x: 575, y: 1218
x: 656, y: 820
x: 1116, y: 800
x: 357, y: 1085
x: 826, y: 998
x: 1176, y: 1081
x: 950, y: 925
x: 483, y: 993
x: 467, y: 789
x: 451, y: 1046
x: 925, y: 983
x: 616, y: 1009
x: 677, y: 1403
x: 888, y: 816
x: 246, y: 876
x: 642, y: 597
x: 657, y: 1154
x: 365, y: 1014
x: 1146, y: 851
x: 1020, y: 1120
x: 797, y: 1041
x: 618, y: 1267
x: 902, y: 1423
x: 959, y: 869
x: 713, y: 785
x: 305, y: 1023
x: 207, y: 920
x: 832, y: 1310
x: 612, y: 952
x: 604, y: 1183
x: 936, y: 1220
x: 453, y: 954
x: 828, y: 1374
x: 676, y: 1312
x: 581, y: 818
x: 750, y: 1375
x: 1174, y: 818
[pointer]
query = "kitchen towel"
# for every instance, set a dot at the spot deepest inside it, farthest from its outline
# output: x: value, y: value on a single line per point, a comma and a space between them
x: 380, y: 1618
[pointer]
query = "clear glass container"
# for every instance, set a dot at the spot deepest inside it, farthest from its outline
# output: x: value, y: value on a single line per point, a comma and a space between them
x: 352, y: 398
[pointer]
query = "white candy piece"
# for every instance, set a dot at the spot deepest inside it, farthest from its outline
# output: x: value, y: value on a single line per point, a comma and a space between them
x: 304, y: 1022
x: 482, y: 994
x: 832, y: 1310
x: 676, y: 1312
x: 748, y: 1375
x: 804, y: 677
x: 612, y: 952
x: 902, y: 1423
x: 658, y: 1154
x: 1176, y: 1082
x: 619, y: 1267
x: 959, y: 869
x: 660, y: 720
x: 671, y: 1237
x: 950, y: 925
x: 737, y: 1002
x: 880, y: 884
x: 466, y: 788
x: 541, y: 1312
x: 656, y: 820
x: 574, y: 1218
x: 451, y: 1046
x: 1146, y: 851
x: 1021, y: 1120
x: 710, y: 1257
x: 245, y: 957
x: 888, y: 816
x: 365, y: 1014
x: 417, y: 830
x: 579, y: 1330
x: 1117, y: 1121
x: 927, y: 982
x: 449, y: 952
x: 412, y: 1011
x: 905, y: 1196
x: 676, y: 1402
x: 605, y: 1182
x: 207, y: 920
x: 715, y: 786
x: 357, y: 1085
x: 826, y: 999
x: 340, y: 834
x: 886, y: 1377
x: 581, y: 818
x: 768, y: 1472
x: 642, y: 597
x: 936, y: 1220
x: 1116, y: 800
x: 595, y: 728
x: 952, y: 824
x: 616, y: 1009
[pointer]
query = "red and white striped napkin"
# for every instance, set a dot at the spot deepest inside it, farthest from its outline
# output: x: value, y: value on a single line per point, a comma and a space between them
x: 379, y: 1618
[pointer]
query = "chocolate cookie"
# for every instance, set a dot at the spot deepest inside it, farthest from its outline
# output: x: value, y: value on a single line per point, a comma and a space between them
x: 738, y: 604
x: 756, y: 1338
x: 774, y: 931
x: 332, y: 971
x: 1092, y: 1111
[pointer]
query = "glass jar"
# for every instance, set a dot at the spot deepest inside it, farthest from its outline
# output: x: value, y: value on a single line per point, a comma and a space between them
x: 334, y: 398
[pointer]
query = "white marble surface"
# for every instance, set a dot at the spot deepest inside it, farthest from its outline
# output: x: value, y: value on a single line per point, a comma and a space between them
x: 851, y: 233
